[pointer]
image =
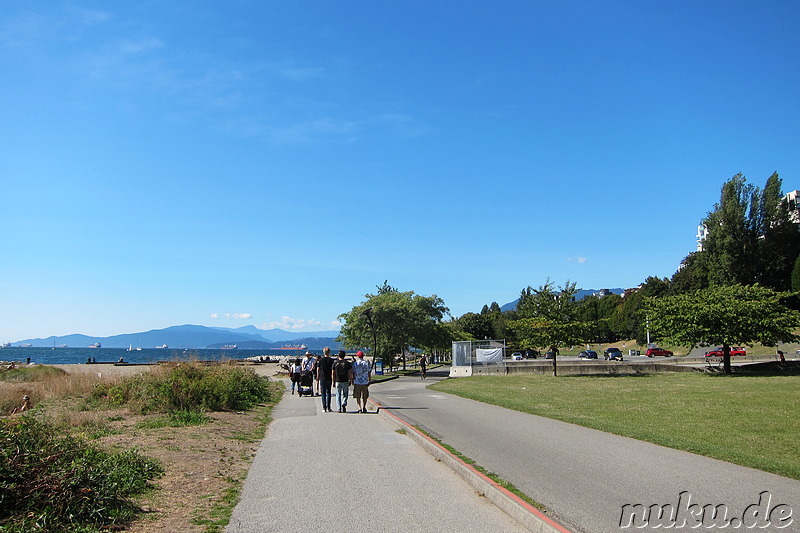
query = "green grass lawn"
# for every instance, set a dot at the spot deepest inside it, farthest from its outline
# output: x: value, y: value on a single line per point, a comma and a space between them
x: 747, y: 420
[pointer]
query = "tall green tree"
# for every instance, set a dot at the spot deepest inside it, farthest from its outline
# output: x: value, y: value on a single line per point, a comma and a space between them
x: 751, y: 239
x: 692, y: 275
x: 547, y: 316
x: 778, y: 239
x: 732, y: 241
x: 391, y: 321
x: 796, y: 275
x: 628, y: 322
x: 479, y: 326
x: 725, y: 316
x: 598, y: 311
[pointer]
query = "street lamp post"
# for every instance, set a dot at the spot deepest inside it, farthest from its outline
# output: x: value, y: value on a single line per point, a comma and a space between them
x: 367, y: 313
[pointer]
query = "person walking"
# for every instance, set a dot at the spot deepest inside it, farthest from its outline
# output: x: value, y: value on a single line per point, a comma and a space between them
x: 325, y: 376
x: 423, y: 365
x: 294, y: 373
x: 343, y: 376
x: 308, y: 368
x: 362, y: 376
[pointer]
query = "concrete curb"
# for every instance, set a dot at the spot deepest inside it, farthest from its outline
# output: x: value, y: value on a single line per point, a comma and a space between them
x: 514, y: 506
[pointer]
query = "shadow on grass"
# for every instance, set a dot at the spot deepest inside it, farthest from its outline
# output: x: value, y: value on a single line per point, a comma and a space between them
x: 618, y: 375
x: 767, y: 369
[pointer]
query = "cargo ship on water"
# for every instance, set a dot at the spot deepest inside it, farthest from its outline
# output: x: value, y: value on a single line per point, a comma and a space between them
x: 293, y: 347
x: 229, y: 347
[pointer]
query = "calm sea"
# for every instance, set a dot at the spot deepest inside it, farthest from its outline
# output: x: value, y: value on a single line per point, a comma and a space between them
x: 61, y: 356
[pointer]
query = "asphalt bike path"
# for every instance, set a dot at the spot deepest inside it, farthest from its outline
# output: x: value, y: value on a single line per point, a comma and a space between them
x: 584, y: 476
x: 346, y: 472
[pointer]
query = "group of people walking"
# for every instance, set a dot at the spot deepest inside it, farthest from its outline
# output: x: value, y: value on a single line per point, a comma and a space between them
x: 325, y: 373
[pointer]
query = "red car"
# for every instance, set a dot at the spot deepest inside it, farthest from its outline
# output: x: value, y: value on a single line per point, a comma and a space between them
x: 717, y: 352
x: 658, y: 351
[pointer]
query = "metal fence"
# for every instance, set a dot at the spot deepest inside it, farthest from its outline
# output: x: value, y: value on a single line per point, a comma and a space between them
x: 471, y: 353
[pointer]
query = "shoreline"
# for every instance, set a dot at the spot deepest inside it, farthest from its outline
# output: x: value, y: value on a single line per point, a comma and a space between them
x: 114, y: 370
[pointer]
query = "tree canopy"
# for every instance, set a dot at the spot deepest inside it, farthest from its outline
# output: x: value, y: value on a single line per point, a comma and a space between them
x: 548, y: 317
x: 751, y: 239
x: 729, y: 315
x: 400, y: 320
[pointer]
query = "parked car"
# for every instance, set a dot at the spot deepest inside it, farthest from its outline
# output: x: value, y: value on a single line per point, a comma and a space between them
x: 717, y: 352
x: 588, y: 354
x: 549, y: 355
x: 658, y: 351
x: 516, y: 356
x: 531, y: 354
x: 612, y: 354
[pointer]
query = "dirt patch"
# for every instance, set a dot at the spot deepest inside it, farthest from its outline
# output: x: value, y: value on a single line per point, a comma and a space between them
x: 204, y: 465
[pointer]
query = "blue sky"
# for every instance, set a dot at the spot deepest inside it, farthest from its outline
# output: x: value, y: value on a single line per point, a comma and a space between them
x: 269, y: 163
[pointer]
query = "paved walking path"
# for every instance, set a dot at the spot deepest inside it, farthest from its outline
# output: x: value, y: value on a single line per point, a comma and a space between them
x: 317, y: 471
x: 582, y: 475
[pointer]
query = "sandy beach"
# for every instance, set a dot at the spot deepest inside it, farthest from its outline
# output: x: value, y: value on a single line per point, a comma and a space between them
x: 111, y: 370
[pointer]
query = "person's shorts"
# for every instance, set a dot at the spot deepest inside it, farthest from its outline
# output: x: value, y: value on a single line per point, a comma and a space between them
x: 360, y: 391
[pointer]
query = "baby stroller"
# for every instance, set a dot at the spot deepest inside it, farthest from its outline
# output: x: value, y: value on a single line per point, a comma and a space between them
x: 306, y: 384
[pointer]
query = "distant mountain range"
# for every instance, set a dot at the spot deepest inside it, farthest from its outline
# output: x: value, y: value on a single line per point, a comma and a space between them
x: 191, y: 336
x: 580, y: 295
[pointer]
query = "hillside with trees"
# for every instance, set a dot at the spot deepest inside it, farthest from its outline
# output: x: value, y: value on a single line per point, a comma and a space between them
x: 749, y: 258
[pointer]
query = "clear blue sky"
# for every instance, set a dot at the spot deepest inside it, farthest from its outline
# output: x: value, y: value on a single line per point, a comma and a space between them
x: 270, y: 162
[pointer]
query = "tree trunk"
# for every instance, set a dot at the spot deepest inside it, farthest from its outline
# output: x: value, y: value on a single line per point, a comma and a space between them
x: 555, y: 365
x: 726, y: 358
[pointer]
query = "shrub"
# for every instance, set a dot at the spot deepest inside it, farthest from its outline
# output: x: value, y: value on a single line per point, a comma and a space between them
x: 188, y: 387
x: 50, y: 481
x: 31, y: 373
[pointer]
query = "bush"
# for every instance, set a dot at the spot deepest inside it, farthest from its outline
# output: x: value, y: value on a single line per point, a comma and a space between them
x: 50, y: 481
x: 188, y: 387
x: 25, y: 374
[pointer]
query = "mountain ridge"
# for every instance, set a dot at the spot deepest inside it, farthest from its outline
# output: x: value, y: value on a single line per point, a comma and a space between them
x: 581, y: 294
x: 189, y: 336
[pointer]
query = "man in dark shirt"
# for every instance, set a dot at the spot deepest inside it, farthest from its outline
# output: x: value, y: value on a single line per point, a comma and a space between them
x: 343, y: 376
x: 325, y: 375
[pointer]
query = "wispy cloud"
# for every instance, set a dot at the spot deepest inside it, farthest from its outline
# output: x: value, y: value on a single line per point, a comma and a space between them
x: 320, y: 129
x: 138, y: 46
x: 30, y: 30
x: 297, y: 324
x: 300, y: 73
x: 90, y: 17
x: 237, y: 316
x: 577, y: 259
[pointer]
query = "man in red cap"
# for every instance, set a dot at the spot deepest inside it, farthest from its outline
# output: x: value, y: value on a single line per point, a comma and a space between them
x: 362, y: 374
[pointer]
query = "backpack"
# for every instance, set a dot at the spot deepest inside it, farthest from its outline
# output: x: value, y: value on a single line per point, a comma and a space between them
x: 342, y: 370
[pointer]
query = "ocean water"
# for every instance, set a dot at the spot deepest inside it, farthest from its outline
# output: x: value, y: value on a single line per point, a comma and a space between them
x: 61, y: 356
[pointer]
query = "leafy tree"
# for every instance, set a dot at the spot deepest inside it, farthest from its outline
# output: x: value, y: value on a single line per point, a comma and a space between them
x: 548, y: 317
x: 628, y: 321
x: 692, y: 275
x: 383, y: 289
x: 779, y: 237
x: 796, y: 275
x: 598, y: 311
x: 729, y: 315
x: 478, y: 326
x: 391, y: 321
x: 732, y: 238
x: 751, y: 239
